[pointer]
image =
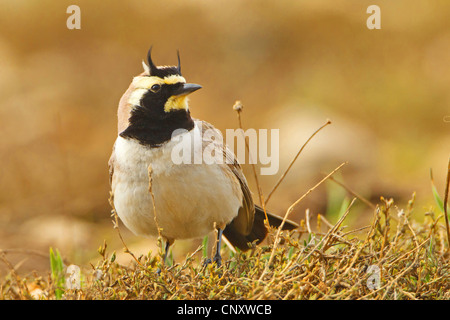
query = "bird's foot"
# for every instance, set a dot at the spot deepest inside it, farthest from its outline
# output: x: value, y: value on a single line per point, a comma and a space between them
x: 217, y: 259
x: 206, y: 262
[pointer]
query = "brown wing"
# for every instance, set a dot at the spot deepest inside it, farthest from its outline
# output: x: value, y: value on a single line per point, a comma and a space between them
x: 248, y: 226
x: 244, y: 220
x: 243, y: 223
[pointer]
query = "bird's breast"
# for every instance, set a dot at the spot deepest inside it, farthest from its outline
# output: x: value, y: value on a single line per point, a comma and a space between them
x: 189, y: 198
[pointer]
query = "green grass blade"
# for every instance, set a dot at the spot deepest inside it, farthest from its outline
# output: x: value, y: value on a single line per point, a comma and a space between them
x: 437, y: 198
x: 205, y: 247
x: 57, y: 271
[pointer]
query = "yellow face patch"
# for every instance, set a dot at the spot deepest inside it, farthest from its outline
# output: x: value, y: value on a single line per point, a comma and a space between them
x: 176, y: 103
x: 143, y: 83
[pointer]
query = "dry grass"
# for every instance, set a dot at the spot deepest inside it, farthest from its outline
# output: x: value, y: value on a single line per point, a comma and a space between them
x: 412, y: 258
x: 395, y: 257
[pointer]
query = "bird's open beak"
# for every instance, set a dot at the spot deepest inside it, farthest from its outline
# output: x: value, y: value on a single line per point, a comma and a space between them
x: 186, y: 89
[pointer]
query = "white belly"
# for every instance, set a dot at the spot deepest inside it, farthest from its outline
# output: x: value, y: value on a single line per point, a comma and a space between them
x: 189, y: 198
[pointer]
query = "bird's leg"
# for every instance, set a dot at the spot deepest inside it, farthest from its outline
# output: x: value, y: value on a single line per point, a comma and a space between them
x: 217, y: 257
x: 166, y: 252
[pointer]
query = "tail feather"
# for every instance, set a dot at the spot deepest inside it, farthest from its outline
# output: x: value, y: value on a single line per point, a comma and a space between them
x: 259, y: 230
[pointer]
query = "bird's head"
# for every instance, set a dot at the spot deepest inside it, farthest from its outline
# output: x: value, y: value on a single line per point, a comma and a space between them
x: 162, y: 88
x: 156, y: 97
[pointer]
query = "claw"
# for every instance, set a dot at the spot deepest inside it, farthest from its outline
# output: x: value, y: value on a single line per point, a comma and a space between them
x: 206, y: 262
x: 218, y: 260
x: 217, y: 257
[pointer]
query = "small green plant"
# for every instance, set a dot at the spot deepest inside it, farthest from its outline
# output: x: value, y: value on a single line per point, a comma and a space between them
x: 436, y: 196
x: 205, y: 248
x: 57, y: 271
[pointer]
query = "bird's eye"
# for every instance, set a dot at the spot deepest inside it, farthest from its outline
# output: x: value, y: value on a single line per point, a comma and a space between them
x: 155, y: 88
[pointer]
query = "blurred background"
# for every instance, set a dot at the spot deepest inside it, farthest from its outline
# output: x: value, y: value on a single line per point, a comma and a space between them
x: 293, y: 64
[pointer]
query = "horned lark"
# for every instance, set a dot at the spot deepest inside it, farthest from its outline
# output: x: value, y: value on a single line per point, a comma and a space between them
x: 190, y: 199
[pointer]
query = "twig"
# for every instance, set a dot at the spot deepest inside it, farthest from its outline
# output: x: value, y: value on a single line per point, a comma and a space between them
x: 293, y: 160
x: 356, y: 255
x: 324, y: 220
x: 354, y: 231
x: 408, y: 294
x: 327, y: 235
x: 150, y: 189
x: 291, y: 208
x: 399, y: 276
x: 367, y: 202
x: 25, y: 251
x: 338, y: 224
x: 116, y: 226
x: 238, y: 108
x: 307, y: 217
x: 289, y: 211
x: 14, y: 275
x: 445, y: 204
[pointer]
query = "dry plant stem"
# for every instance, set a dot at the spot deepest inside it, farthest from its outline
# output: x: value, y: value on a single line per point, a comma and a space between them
x: 307, y: 218
x: 356, y: 255
x: 411, y: 268
x: 416, y: 242
x: 416, y: 250
x: 14, y: 275
x: 400, y: 275
x: 324, y: 220
x: 293, y: 160
x: 150, y: 182
x: 116, y: 226
x: 327, y: 235
x: 289, y: 211
x: 367, y: 202
x: 354, y: 231
x: 445, y: 204
x: 433, y: 226
x: 216, y: 241
x: 338, y: 224
x: 150, y: 189
x: 266, y: 222
x: 24, y: 251
x: 291, y: 208
x: 388, y: 204
x: 238, y: 107
x: 405, y: 254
